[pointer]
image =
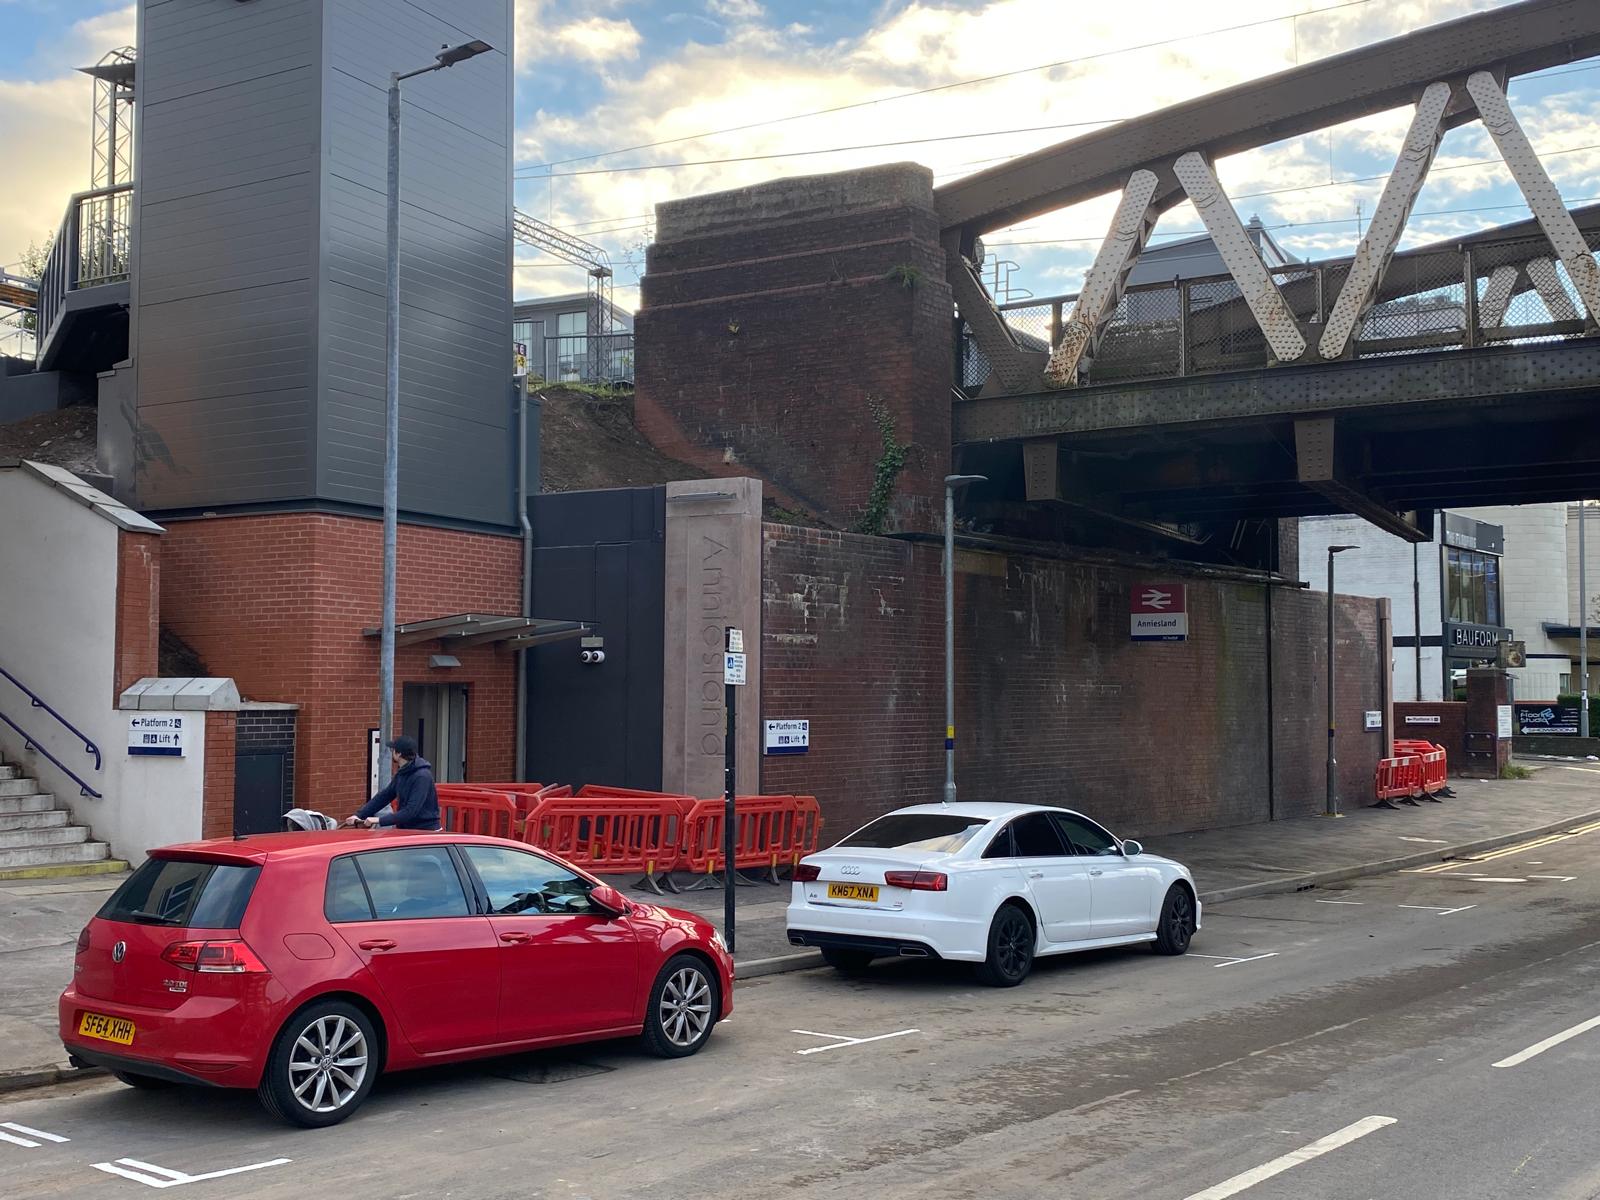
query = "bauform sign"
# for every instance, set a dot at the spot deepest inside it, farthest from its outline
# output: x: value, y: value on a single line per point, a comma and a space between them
x: 1462, y: 640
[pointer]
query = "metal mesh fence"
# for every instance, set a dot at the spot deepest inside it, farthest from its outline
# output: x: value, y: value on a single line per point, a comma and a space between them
x: 1143, y: 339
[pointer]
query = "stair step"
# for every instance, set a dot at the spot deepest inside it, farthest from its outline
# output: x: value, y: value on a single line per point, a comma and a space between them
x: 51, y: 819
x: 38, y: 802
x: 24, y: 857
x: 22, y: 839
x: 107, y: 866
x: 10, y: 772
x: 18, y: 786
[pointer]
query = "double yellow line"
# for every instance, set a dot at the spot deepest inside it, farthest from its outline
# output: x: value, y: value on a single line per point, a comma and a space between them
x: 1505, y: 851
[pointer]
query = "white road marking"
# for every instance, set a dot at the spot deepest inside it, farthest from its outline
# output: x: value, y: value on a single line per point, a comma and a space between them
x: 19, y: 1141
x: 1252, y: 958
x: 1557, y: 878
x: 31, y: 1132
x: 1495, y: 878
x: 1540, y: 1047
x: 1443, y: 912
x: 1355, y: 902
x: 841, y: 1041
x: 1248, y: 1179
x: 164, y: 1177
x: 1426, y: 841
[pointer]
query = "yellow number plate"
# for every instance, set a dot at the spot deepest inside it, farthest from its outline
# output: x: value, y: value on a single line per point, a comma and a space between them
x: 107, y: 1029
x: 853, y: 891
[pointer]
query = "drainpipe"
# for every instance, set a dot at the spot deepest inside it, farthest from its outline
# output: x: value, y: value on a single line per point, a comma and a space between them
x: 527, y: 573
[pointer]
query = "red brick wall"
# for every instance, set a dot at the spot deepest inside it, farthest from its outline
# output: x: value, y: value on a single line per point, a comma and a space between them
x: 216, y: 807
x: 759, y: 346
x: 278, y: 602
x: 1054, y: 702
x: 138, y: 609
x: 1450, y: 732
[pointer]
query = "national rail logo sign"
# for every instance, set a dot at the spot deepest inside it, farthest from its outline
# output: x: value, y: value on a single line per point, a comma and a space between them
x: 1158, y: 612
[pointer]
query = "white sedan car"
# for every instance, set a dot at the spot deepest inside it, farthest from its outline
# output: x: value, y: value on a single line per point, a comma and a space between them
x: 991, y: 884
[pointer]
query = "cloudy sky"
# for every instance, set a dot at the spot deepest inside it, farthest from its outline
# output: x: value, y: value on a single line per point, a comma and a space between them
x: 624, y: 103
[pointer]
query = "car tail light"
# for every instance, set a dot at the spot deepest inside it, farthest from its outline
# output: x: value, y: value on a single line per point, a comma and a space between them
x: 83, y: 939
x: 214, y: 958
x: 918, y: 881
x: 806, y: 873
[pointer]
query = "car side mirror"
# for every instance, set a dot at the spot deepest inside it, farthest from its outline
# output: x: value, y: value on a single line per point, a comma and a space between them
x: 1130, y: 848
x: 606, y: 899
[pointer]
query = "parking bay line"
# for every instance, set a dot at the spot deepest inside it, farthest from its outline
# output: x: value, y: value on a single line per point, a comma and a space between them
x: 29, y: 1131
x: 1229, y: 960
x: 164, y: 1177
x: 25, y: 1143
x: 1538, y: 1048
x: 1433, y: 908
x: 1248, y: 1179
x: 841, y: 1041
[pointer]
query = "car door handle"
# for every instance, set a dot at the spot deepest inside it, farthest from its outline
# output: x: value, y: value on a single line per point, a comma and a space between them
x: 515, y: 936
x: 1035, y: 874
x: 1096, y: 871
x: 378, y: 944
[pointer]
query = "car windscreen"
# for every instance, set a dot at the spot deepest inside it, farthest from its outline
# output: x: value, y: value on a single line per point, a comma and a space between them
x: 937, y: 833
x: 184, y: 893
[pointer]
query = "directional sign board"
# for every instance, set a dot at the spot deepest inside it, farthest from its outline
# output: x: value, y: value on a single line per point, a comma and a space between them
x: 164, y: 735
x: 1158, y: 612
x: 787, y: 737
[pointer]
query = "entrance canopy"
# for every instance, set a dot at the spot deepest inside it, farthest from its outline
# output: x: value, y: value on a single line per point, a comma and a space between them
x: 477, y: 629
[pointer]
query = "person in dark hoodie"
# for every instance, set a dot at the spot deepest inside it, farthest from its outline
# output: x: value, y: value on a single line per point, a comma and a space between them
x: 411, y: 784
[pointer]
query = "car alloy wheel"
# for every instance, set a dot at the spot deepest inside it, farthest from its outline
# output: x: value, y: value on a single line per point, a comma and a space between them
x: 684, y: 1003
x: 1015, y: 945
x: 1011, y: 944
x: 322, y: 1065
x: 686, y: 1006
x: 328, y: 1064
x: 1176, y: 926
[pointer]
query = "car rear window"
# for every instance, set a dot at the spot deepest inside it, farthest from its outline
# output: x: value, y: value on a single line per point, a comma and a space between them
x: 937, y: 833
x: 183, y: 892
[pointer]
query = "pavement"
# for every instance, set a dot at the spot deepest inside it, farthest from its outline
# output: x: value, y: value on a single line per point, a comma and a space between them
x: 42, y: 918
x: 1423, y: 1033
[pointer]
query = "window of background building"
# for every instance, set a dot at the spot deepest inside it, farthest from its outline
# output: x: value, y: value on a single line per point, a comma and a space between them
x: 571, y: 344
x: 1472, y: 587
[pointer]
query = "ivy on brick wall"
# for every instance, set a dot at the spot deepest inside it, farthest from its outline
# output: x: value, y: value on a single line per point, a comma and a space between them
x: 875, y: 516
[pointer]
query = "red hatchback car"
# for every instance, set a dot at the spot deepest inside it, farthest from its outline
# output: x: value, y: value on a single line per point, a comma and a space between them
x: 303, y: 964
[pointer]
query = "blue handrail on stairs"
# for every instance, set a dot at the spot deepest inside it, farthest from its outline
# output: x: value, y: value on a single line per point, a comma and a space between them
x: 88, y: 746
x: 31, y: 743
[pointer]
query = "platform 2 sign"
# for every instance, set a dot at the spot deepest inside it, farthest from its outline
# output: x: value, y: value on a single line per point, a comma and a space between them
x: 1559, y: 720
x: 163, y: 736
x: 1158, y: 612
x: 786, y: 737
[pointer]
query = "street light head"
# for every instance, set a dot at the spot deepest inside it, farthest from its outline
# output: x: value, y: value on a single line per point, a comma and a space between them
x: 1341, y: 549
x: 449, y: 56
x: 955, y: 481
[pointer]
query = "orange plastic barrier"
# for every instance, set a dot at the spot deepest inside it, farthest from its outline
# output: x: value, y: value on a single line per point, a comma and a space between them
x: 1435, y: 765
x: 1398, y: 778
x: 616, y: 835
x: 464, y: 809
x: 770, y: 831
x: 525, y: 795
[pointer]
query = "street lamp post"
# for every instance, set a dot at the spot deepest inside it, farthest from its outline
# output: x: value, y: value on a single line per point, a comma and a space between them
x: 1333, y: 762
x: 449, y: 56
x: 951, y: 483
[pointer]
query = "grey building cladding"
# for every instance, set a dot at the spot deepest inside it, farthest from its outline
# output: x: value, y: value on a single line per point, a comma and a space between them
x: 257, y: 328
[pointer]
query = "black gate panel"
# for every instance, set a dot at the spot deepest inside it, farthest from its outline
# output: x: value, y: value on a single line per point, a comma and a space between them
x: 258, y: 792
x: 599, y: 557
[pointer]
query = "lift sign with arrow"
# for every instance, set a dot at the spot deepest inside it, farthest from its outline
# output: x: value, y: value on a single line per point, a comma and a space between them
x: 1158, y: 612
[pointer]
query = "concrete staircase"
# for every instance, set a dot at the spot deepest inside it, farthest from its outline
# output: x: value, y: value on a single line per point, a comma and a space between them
x: 38, y: 839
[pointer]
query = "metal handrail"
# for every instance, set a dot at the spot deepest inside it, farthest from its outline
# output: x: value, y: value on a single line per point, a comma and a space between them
x: 63, y: 270
x: 29, y: 743
x: 88, y: 746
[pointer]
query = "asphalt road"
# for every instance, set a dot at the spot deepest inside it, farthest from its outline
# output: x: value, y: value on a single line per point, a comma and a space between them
x: 1333, y: 1044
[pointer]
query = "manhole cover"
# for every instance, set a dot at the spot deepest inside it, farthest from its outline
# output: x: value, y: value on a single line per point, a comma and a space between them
x: 549, y: 1070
